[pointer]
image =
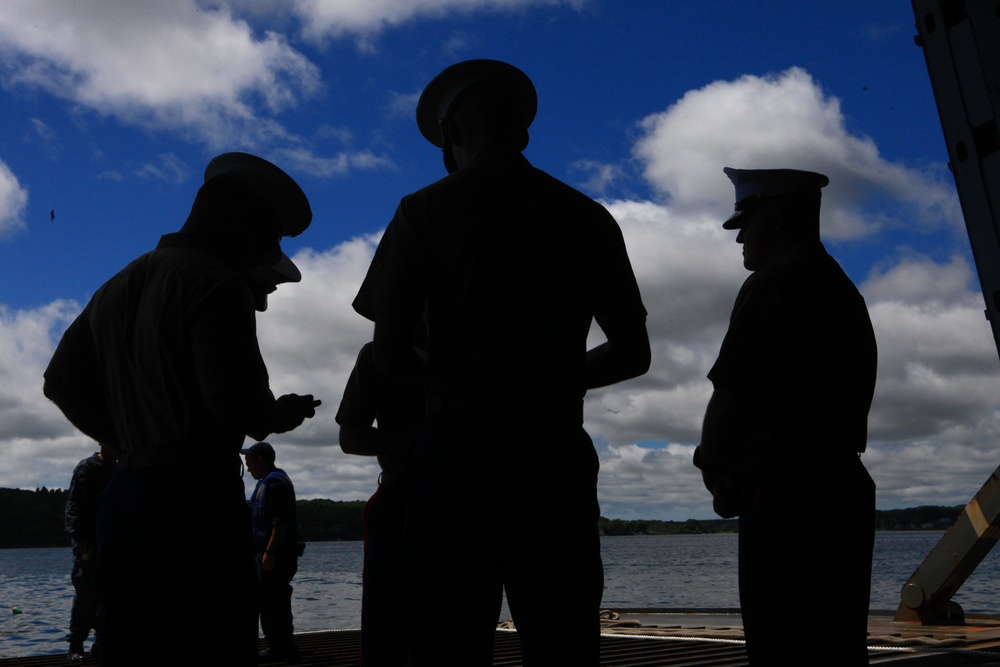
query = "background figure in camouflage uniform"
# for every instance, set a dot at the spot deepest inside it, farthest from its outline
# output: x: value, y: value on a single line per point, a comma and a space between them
x: 89, y: 479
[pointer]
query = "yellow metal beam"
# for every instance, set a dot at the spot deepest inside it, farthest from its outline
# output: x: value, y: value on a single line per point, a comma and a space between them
x: 961, y: 45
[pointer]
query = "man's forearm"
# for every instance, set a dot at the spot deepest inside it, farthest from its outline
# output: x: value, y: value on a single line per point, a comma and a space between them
x: 259, y: 415
x: 621, y: 358
x: 277, y: 538
x: 625, y: 355
x: 359, y: 440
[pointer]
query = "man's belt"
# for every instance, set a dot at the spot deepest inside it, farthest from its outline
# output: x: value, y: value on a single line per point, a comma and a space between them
x: 391, y: 478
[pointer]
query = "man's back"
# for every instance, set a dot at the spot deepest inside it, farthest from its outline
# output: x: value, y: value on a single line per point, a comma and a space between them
x: 174, y: 326
x: 507, y: 268
x: 802, y: 353
x: 515, y: 265
x: 273, y: 503
x: 90, y: 476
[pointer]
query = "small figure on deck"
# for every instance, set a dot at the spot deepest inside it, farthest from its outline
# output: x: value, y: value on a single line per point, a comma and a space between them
x: 90, y: 476
x: 276, y: 546
x: 163, y: 364
x: 397, y: 407
x: 509, y: 267
x: 785, y: 427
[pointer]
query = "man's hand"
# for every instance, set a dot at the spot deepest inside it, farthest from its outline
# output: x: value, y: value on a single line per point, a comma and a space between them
x: 292, y: 410
x: 267, y: 562
x: 722, y: 483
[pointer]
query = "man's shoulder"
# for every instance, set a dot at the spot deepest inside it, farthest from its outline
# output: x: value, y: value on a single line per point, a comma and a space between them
x: 279, y: 486
x: 498, y: 171
x: 91, y: 461
x: 812, y: 283
x: 819, y: 273
x: 192, y: 263
x: 88, y: 467
x: 178, y: 264
x: 278, y: 477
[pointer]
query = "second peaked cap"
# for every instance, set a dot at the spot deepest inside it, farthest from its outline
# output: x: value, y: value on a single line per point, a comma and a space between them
x: 440, y: 94
x: 268, y: 182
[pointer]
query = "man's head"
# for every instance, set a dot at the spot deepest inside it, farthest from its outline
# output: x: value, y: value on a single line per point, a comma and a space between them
x: 486, y: 103
x: 108, y: 454
x: 259, y: 458
x: 777, y: 213
x: 244, y: 208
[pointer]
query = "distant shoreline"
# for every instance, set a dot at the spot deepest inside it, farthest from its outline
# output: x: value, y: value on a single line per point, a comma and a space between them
x: 35, y: 519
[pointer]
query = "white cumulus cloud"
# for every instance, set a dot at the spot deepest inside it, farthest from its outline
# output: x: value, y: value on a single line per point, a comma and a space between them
x: 782, y: 121
x: 323, y: 18
x: 13, y: 200
x: 935, y: 422
x: 173, y: 64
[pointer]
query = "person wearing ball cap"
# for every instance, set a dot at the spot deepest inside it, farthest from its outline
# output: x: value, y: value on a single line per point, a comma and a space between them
x: 786, y: 425
x: 509, y: 267
x: 163, y: 365
x: 276, y: 546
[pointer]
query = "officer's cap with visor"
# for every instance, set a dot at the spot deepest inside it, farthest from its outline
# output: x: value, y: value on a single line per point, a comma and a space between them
x: 268, y: 182
x: 756, y: 186
x: 437, y: 101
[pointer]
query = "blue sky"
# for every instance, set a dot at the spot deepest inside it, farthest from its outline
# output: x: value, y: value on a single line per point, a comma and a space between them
x: 112, y: 109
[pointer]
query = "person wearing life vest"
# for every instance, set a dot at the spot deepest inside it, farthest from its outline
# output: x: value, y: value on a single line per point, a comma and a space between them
x: 276, y: 543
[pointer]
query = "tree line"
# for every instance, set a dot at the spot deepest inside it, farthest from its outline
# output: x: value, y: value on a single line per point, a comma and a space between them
x: 35, y: 519
x: 928, y: 517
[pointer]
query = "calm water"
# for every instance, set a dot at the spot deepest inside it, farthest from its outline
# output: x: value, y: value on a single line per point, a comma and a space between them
x: 667, y: 571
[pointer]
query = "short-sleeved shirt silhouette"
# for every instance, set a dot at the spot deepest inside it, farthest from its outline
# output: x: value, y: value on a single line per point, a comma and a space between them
x: 173, y: 328
x: 512, y: 265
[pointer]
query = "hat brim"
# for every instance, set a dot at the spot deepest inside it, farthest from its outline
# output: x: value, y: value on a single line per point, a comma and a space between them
x: 438, y: 96
x: 735, y: 221
x: 285, y: 271
x: 263, y: 452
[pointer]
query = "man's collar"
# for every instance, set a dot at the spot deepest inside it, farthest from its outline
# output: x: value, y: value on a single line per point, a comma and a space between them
x: 182, y: 240
x: 498, y: 157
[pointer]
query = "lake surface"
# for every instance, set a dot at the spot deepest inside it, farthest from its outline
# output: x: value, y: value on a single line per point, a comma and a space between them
x: 674, y: 571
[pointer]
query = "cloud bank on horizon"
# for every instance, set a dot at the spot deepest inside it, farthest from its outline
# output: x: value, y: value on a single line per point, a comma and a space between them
x: 220, y: 74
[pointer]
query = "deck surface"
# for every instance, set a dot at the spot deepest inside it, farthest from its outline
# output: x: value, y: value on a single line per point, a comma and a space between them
x: 656, y: 638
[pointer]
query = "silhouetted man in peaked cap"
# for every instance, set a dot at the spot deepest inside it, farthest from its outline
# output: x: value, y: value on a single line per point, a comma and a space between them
x: 163, y: 366
x: 511, y: 267
x: 785, y: 427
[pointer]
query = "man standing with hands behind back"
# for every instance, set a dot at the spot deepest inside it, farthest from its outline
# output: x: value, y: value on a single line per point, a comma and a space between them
x: 785, y: 427
x: 511, y: 267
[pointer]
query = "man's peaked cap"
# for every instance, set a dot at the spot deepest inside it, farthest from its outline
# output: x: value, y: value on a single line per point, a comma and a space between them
x: 439, y: 96
x: 756, y: 185
x: 268, y: 182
